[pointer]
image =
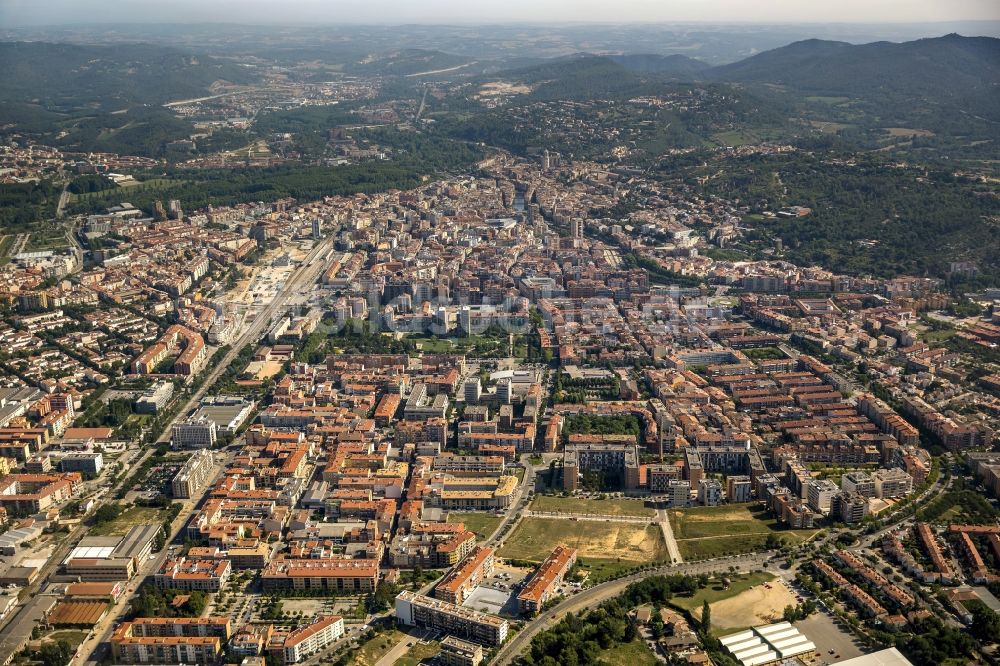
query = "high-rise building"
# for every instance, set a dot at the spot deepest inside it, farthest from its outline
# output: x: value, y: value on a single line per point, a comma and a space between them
x: 473, y: 391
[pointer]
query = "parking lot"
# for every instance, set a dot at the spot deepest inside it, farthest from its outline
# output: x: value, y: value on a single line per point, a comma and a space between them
x: 823, y: 630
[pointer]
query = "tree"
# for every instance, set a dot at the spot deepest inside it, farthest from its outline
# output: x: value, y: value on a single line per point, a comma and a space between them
x: 56, y: 653
x: 656, y: 625
x: 706, y: 618
x: 107, y: 513
x: 790, y: 614
x: 985, y: 624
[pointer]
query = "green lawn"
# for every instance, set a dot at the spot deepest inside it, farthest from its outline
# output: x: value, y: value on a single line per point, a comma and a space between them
x: 418, y: 653
x: 436, y: 345
x: 6, y: 245
x: 705, y: 532
x: 134, y: 515
x: 628, y: 654
x: 715, y: 591
x: 735, y: 138
x: 483, y: 524
x: 933, y: 337
x: 606, y: 507
x: 72, y: 636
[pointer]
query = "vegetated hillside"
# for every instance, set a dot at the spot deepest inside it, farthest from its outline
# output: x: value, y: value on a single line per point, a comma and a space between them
x: 677, y: 66
x: 583, y: 76
x: 70, y: 78
x: 952, y: 71
x: 407, y: 62
x: 869, y: 216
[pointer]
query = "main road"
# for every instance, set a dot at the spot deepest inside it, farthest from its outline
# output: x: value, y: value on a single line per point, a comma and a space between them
x: 594, y: 596
x: 598, y: 594
x: 304, y: 276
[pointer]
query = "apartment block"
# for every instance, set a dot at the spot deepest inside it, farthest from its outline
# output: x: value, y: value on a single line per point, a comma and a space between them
x: 326, y: 576
x: 893, y: 482
x: 858, y: 482
x: 709, y: 492
x: 463, y: 579
x: 456, y: 652
x: 738, y: 489
x: 543, y: 584
x: 127, y: 648
x: 185, y: 574
x: 417, y: 610
x: 312, y: 638
x: 820, y: 495
x: 193, y: 475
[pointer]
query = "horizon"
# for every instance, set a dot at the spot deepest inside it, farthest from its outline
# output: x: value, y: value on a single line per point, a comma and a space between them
x: 39, y: 13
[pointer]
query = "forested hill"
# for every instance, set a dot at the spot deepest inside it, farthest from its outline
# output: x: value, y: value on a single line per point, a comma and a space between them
x: 68, y: 77
x: 672, y: 65
x: 955, y: 70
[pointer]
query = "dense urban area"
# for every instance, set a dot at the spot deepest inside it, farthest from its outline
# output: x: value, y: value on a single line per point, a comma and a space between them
x: 429, y: 358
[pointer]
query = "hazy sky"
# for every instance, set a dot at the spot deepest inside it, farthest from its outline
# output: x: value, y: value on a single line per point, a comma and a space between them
x: 53, y: 12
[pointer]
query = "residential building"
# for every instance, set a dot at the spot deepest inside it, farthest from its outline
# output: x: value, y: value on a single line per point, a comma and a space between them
x: 185, y: 574
x: 333, y: 576
x: 195, y: 433
x: 88, y: 462
x: 738, y: 489
x: 456, y: 652
x: 858, y: 482
x: 193, y: 475
x: 417, y: 610
x: 543, y: 584
x: 709, y: 492
x: 820, y: 495
x: 312, y: 638
x: 456, y: 586
x: 891, y: 483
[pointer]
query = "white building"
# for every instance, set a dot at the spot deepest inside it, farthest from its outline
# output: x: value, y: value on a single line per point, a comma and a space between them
x: 821, y: 494
x: 738, y: 489
x: 195, y: 433
x: 678, y: 492
x: 709, y: 492
x: 892, y: 483
x: 312, y: 638
x: 858, y: 482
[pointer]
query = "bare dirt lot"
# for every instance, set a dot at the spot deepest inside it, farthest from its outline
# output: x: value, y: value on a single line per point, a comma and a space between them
x: 758, y: 605
x: 535, y: 538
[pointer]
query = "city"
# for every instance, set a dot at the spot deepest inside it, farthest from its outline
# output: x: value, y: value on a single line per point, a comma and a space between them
x: 429, y: 359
